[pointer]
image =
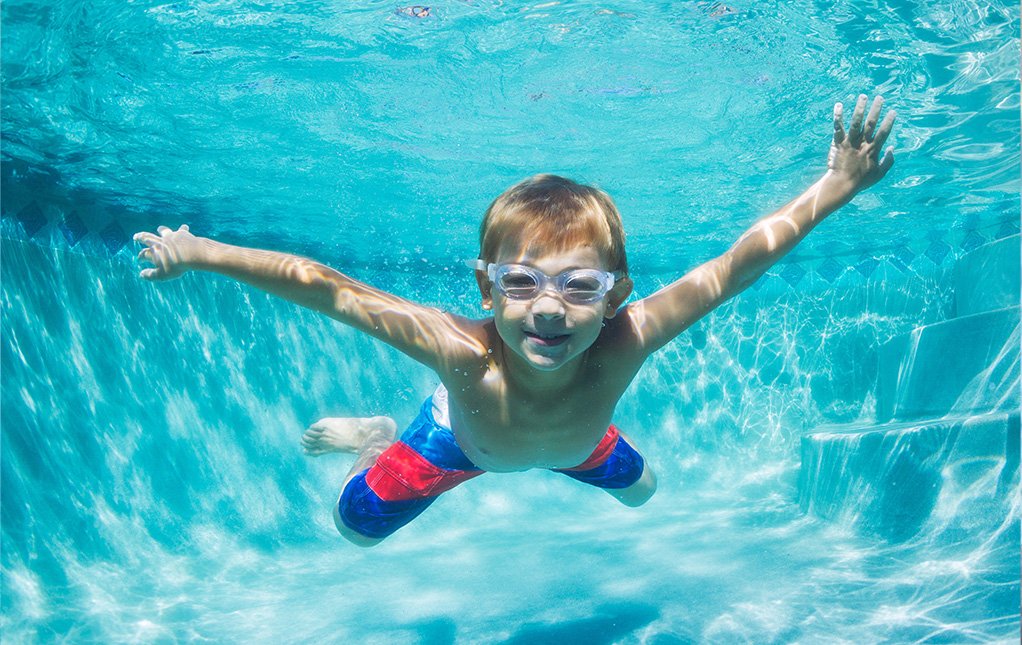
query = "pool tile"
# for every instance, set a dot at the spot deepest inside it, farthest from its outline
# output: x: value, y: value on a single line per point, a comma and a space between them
x: 972, y: 240
x: 793, y: 274
x: 830, y: 269
x: 866, y: 265
x: 32, y: 219
x: 937, y: 251
x: 73, y: 228
x: 902, y: 258
x: 114, y: 237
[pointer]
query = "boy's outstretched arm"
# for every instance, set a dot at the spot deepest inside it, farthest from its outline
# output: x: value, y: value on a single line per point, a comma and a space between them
x: 430, y: 336
x: 854, y: 164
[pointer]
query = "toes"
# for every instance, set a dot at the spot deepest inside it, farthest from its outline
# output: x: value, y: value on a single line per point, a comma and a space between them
x: 309, y: 440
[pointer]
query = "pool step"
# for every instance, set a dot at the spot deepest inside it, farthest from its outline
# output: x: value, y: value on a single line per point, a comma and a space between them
x: 964, y: 365
x: 945, y: 445
x: 890, y: 479
x: 988, y: 277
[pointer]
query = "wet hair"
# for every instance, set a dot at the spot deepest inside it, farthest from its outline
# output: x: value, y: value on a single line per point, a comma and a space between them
x: 554, y: 214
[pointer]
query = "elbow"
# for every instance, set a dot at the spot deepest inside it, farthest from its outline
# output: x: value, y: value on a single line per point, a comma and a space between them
x: 747, y: 266
x: 744, y: 282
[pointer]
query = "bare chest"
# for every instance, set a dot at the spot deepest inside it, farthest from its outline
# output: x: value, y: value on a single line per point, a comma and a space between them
x: 503, y: 431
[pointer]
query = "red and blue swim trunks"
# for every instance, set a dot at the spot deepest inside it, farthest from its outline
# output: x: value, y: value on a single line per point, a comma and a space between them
x: 427, y: 461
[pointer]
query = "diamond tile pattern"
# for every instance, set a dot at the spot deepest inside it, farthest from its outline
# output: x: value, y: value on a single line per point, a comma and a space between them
x: 830, y: 269
x: 793, y: 274
x: 73, y: 228
x: 937, y: 251
x: 1009, y: 227
x: 902, y: 258
x: 114, y: 237
x: 32, y: 218
x: 866, y: 265
x: 98, y: 230
x: 972, y: 240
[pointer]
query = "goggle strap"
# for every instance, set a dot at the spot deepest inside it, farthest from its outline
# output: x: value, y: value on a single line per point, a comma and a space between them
x: 480, y: 265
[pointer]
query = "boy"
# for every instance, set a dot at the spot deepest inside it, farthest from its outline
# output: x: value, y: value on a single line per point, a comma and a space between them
x: 535, y: 385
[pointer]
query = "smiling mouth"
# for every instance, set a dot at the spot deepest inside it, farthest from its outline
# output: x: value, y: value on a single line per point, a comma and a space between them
x: 546, y: 340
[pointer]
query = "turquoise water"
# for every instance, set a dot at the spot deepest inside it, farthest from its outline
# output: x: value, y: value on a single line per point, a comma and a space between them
x: 837, y: 447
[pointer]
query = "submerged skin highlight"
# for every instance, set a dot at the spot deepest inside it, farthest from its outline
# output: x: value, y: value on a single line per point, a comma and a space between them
x: 535, y: 384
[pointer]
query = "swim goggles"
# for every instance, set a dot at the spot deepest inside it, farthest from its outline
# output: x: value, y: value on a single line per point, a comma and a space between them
x: 520, y: 282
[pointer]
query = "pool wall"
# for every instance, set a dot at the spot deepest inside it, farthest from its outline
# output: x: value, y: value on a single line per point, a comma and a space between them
x: 142, y: 422
x: 944, y: 446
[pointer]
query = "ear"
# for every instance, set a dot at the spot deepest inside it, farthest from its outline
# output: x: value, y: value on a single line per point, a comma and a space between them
x: 622, y: 289
x: 485, y: 288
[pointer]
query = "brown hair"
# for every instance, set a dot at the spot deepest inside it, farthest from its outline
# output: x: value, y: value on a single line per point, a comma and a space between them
x: 554, y: 214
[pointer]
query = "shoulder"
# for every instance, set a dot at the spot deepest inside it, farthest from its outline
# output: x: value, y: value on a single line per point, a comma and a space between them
x: 618, y: 345
x: 469, y: 343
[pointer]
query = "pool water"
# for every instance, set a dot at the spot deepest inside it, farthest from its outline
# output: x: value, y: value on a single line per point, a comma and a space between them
x: 837, y: 448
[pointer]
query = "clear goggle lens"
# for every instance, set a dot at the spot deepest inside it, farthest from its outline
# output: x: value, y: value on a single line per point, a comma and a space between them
x: 578, y: 286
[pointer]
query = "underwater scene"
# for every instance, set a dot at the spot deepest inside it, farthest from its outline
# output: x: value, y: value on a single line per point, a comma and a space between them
x: 837, y: 447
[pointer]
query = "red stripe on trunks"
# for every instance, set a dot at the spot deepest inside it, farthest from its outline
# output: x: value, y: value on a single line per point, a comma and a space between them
x: 400, y: 473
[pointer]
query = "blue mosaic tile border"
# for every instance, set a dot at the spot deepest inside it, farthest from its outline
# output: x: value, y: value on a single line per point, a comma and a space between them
x: 97, y: 232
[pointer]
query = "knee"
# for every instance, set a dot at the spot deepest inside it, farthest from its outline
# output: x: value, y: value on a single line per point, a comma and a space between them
x: 640, y: 492
x: 635, y: 498
x: 351, y: 535
x: 357, y: 538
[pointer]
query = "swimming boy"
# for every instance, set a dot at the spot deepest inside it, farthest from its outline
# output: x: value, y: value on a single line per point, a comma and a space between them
x: 536, y: 384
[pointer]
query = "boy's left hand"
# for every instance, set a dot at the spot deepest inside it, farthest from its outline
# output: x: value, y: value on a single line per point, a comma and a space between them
x: 855, y: 155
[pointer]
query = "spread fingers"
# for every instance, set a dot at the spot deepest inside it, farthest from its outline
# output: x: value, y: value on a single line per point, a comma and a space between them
x: 872, y: 118
x: 855, y: 127
x: 839, y: 126
x: 885, y: 129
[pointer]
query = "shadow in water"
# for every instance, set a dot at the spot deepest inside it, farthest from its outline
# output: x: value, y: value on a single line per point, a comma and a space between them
x: 611, y: 623
x: 441, y: 631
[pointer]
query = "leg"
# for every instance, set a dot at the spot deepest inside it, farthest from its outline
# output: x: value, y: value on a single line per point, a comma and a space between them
x: 617, y: 467
x: 367, y: 438
x: 391, y: 482
x: 638, y: 493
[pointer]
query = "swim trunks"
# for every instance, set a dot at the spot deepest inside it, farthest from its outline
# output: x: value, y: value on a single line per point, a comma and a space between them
x: 427, y: 461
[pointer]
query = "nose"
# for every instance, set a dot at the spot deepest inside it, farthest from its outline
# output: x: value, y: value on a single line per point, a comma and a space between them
x: 548, y: 305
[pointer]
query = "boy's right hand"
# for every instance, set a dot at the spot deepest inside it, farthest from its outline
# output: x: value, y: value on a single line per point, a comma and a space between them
x: 171, y: 252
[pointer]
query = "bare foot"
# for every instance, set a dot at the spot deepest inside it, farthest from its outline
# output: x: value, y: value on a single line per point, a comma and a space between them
x: 347, y: 434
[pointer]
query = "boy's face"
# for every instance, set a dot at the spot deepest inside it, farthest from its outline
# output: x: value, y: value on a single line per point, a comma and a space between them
x: 547, y: 331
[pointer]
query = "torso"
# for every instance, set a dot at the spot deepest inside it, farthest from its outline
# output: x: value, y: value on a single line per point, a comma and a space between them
x: 503, y: 427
